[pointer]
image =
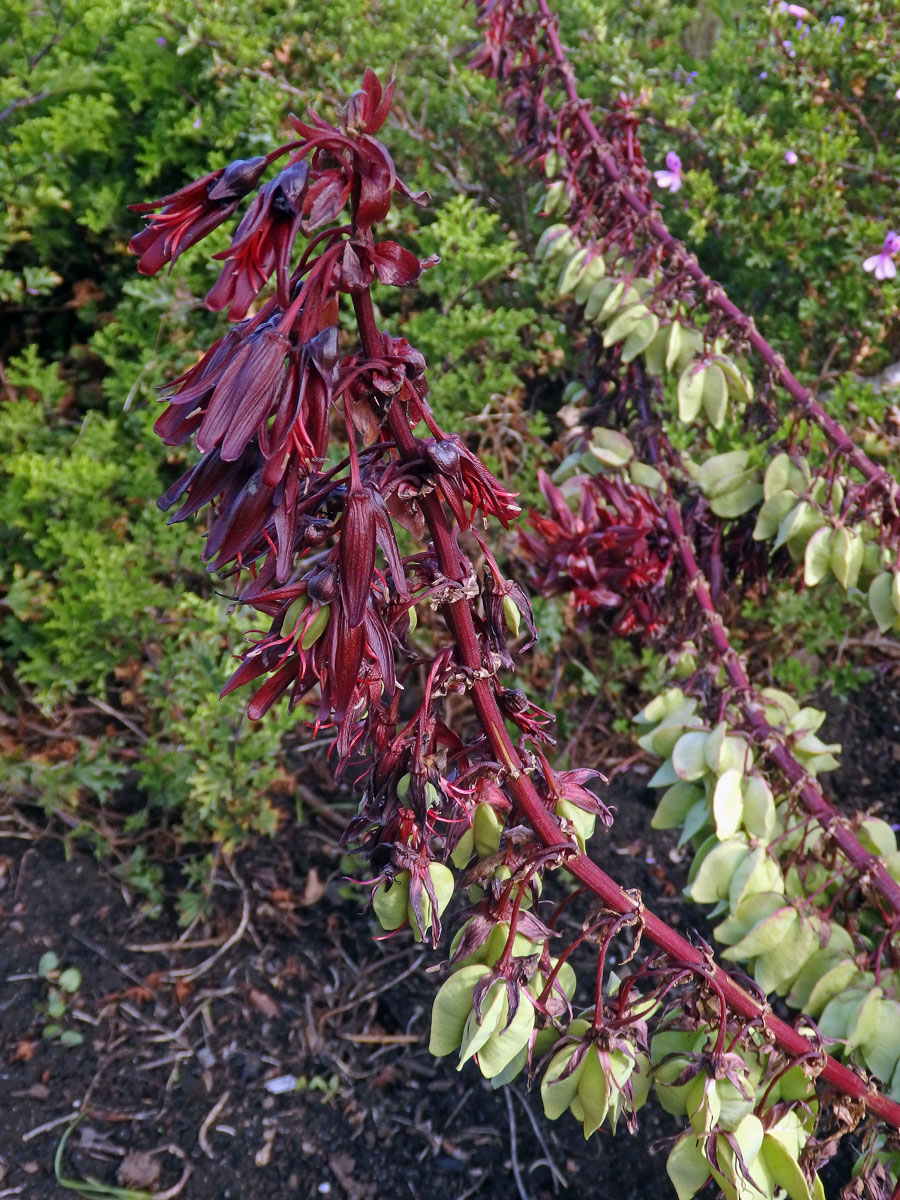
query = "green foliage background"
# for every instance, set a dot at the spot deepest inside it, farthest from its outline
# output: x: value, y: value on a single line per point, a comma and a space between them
x: 103, y: 104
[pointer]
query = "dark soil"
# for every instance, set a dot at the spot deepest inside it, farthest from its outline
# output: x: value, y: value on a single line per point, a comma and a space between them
x: 174, y: 1078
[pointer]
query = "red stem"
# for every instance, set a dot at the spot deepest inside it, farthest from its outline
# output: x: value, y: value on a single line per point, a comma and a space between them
x: 544, y: 824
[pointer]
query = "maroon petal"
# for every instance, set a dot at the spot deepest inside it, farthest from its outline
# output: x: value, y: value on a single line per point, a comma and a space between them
x: 272, y: 690
x: 358, y: 538
x: 347, y: 646
x: 398, y: 266
x: 326, y: 197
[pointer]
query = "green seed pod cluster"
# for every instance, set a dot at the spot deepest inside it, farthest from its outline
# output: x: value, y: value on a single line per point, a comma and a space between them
x: 608, y: 452
x: 771, y: 918
x: 604, y: 1083
x: 705, y: 386
x: 731, y: 486
x: 796, y: 513
x: 707, y: 382
x: 393, y: 905
x: 481, y: 838
x: 734, y: 1113
x: 495, y: 1039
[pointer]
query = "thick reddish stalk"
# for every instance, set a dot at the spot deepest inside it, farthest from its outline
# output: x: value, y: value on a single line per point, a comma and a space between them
x: 544, y: 824
x: 712, y: 291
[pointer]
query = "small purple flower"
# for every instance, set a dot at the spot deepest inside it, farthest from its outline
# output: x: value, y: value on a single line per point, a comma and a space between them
x: 790, y: 158
x: 837, y: 21
x: 796, y: 10
x: 197, y: 123
x: 671, y: 177
x: 883, y: 262
x: 763, y: 75
x: 789, y: 46
x: 161, y: 41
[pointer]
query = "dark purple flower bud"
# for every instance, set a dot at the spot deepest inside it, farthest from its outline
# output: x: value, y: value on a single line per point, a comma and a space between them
x: 238, y: 179
x: 358, y: 540
x: 249, y: 387
x: 322, y: 585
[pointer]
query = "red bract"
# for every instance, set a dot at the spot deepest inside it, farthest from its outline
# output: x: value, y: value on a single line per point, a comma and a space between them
x: 613, y: 553
x: 191, y: 213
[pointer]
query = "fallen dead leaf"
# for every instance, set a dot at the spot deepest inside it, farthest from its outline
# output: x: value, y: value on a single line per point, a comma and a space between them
x: 139, y: 1169
x: 313, y: 889
x: 24, y: 1051
x: 182, y: 990
x: 264, y: 1004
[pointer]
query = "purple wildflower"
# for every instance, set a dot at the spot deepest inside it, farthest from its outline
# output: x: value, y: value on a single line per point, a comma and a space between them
x: 837, y: 21
x: 790, y: 157
x: 882, y: 263
x: 671, y: 177
x: 796, y: 10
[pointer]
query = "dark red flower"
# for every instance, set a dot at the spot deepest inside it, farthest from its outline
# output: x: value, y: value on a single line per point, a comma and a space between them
x: 463, y: 479
x: 262, y: 243
x: 613, y: 553
x: 191, y: 213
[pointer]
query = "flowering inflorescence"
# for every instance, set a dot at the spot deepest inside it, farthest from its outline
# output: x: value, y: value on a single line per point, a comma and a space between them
x: 312, y: 545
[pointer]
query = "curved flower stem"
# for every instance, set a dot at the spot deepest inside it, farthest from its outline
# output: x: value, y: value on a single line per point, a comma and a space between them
x: 544, y: 824
x: 712, y: 291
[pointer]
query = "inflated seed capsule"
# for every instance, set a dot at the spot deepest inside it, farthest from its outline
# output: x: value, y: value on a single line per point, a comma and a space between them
x: 294, y: 613
x: 690, y: 392
x: 592, y: 274
x: 486, y: 830
x: 572, y: 271
x: 554, y: 200
x: 511, y: 615
x: 390, y: 901
x: 316, y: 627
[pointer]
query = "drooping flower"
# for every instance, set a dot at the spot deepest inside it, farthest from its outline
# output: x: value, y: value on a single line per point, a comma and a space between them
x: 790, y: 157
x: 262, y: 243
x: 671, y: 177
x: 612, y: 553
x: 882, y: 263
x: 192, y: 212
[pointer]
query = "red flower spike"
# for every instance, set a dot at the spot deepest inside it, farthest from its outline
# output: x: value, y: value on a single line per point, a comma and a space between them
x: 190, y: 214
x: 614, y: 553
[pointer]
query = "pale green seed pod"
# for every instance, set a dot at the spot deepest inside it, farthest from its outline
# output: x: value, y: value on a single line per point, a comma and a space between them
x: 316, y: 627
x: 390, y: 903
